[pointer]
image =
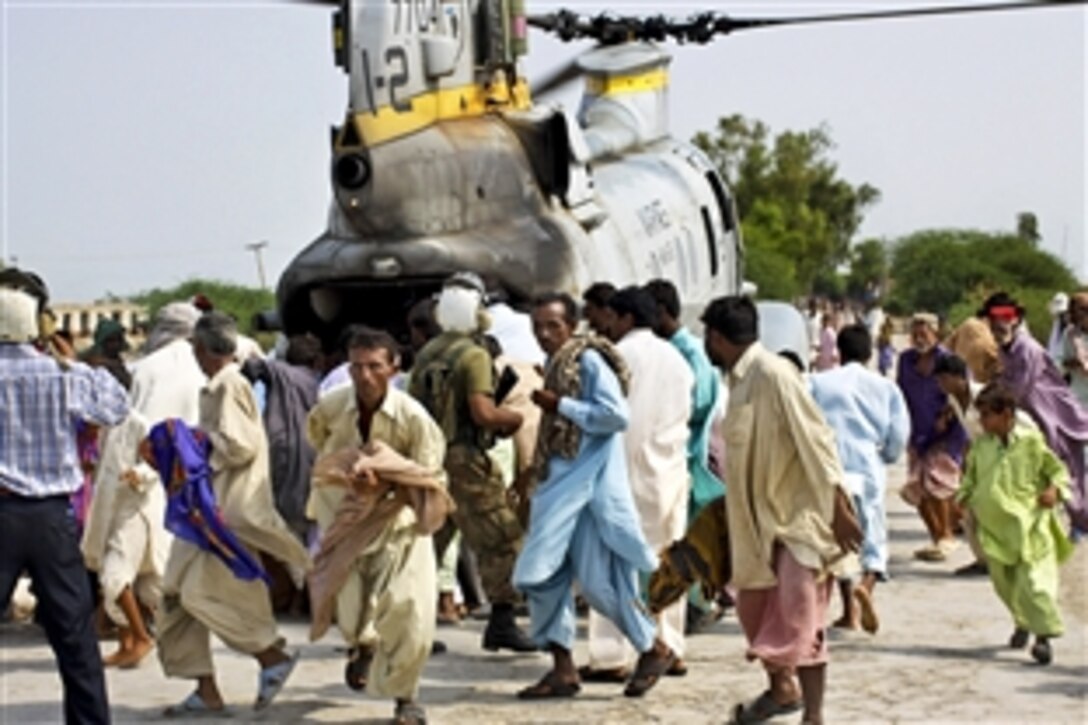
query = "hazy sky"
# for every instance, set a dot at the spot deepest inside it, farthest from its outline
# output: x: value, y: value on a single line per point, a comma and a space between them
x: 147, y: 142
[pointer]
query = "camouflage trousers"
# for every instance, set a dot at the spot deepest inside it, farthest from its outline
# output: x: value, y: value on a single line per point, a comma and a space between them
x: 487, y: 523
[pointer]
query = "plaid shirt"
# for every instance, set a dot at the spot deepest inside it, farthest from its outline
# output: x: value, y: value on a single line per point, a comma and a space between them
x: 40, y: 406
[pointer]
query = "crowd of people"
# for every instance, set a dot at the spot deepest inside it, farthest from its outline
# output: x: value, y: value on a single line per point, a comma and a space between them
x: 994, y: 425
x: 560, y: 456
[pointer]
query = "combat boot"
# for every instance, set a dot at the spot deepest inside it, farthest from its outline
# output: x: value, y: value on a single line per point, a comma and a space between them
x: 503, y: 631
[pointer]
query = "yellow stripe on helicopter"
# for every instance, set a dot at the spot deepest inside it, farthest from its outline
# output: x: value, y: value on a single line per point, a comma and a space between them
x: 599, y: 85
x: 469, y: 101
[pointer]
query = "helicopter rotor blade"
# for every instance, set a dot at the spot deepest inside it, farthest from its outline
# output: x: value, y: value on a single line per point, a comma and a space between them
x: 725, y: 24
x: 702, y: 28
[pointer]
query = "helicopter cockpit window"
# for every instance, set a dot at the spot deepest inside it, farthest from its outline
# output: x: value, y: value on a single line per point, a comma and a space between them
x: 729, y: 222
x: 711, y: 241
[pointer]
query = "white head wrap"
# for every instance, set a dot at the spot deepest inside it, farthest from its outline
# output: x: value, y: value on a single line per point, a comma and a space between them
x: 175, y: 321
x: 928, y: 319
x: 1059, y: 304
x: 458, y: 309
x: 18, y: 316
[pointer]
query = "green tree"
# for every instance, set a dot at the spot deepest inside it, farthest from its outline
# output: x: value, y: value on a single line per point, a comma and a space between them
x: 951, y: 271
x: 829, y: 283
x: 236, y: 300
x: 795, y: 210
x: 1027, y: 227
x: 868, y: 269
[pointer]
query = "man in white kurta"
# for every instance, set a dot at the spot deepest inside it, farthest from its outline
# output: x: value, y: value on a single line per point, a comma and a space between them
x: 201, y: 596
x: 386, y: 609
x: 167, y: 382
x: 656, y: 440
x: 125, y: 539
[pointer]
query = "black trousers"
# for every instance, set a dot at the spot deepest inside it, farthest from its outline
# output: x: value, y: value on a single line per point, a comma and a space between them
x: 40, y: 537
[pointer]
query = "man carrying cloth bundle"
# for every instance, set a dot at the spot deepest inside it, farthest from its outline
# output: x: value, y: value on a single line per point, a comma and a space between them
x: 202, y: 594
x: 376, y: 568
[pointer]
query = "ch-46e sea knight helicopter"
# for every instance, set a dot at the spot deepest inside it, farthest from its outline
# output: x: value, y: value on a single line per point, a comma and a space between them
x: 443, y: 163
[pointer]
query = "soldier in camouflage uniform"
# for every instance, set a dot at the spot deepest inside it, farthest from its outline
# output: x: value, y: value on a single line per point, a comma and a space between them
x: 454, y: 378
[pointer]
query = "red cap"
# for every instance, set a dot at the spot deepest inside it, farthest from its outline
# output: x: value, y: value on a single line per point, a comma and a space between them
x: 1004, y: 313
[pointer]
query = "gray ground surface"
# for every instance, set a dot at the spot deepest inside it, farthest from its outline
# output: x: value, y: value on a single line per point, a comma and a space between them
x: 937, y: 658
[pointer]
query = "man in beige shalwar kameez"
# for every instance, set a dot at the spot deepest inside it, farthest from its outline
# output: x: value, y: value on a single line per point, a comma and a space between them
x: 790, y: 519
x: 386, y: 608
x: 201, y: 595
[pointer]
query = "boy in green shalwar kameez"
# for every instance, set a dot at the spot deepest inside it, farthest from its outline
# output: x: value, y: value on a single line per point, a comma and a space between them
x: 1012, y: 484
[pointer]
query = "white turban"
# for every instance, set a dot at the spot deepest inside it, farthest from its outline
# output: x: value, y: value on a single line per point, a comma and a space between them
x: 175, y: 321
x: 458, y: 309
x: 18, y: 316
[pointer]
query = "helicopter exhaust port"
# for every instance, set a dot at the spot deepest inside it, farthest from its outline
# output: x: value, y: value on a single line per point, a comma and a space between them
x: 351, y: 172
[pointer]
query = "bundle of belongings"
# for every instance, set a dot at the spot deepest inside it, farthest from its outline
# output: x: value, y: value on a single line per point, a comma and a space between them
x: 701, y: 557
x: 380, y: 483
x: 181, y: 455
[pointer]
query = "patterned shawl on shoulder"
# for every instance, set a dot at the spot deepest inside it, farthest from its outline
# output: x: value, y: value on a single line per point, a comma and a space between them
x: 559, y: 436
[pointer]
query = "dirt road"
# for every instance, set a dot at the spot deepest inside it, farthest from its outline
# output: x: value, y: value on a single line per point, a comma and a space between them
x: 939, y: 657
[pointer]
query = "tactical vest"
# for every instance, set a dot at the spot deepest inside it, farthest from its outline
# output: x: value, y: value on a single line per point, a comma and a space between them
x: 434, y: 386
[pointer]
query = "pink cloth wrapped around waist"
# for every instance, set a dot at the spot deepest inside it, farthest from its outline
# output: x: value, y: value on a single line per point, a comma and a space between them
x: 785, y: 624
x: 935, y: 473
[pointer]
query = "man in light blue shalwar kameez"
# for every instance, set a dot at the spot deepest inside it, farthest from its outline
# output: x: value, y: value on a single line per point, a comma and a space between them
x: 583, y: 526
x: 871, y: 422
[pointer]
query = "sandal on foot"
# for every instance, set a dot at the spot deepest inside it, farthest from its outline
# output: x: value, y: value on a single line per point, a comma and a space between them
x: 931, y: 554
x: 409, y: 713
x: 357, y: 668
x: 549, y: 687
x: 1041, y: 651
x: 678, y: 669
x: 612, y: 675
x: 763, y: 708
x: 846, y: 623
x: 1019, y: 639
x: 975, y: 568
x: 194, y: 706
x: 651, y: 666
x: 271, y: 681
x: 870, y: 622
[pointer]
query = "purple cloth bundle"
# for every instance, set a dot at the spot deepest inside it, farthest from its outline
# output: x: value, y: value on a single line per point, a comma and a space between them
x: 181, y: 457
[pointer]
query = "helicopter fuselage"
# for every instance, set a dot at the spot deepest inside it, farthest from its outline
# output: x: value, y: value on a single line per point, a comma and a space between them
x: 443, y: 165
x: 465, y: 194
